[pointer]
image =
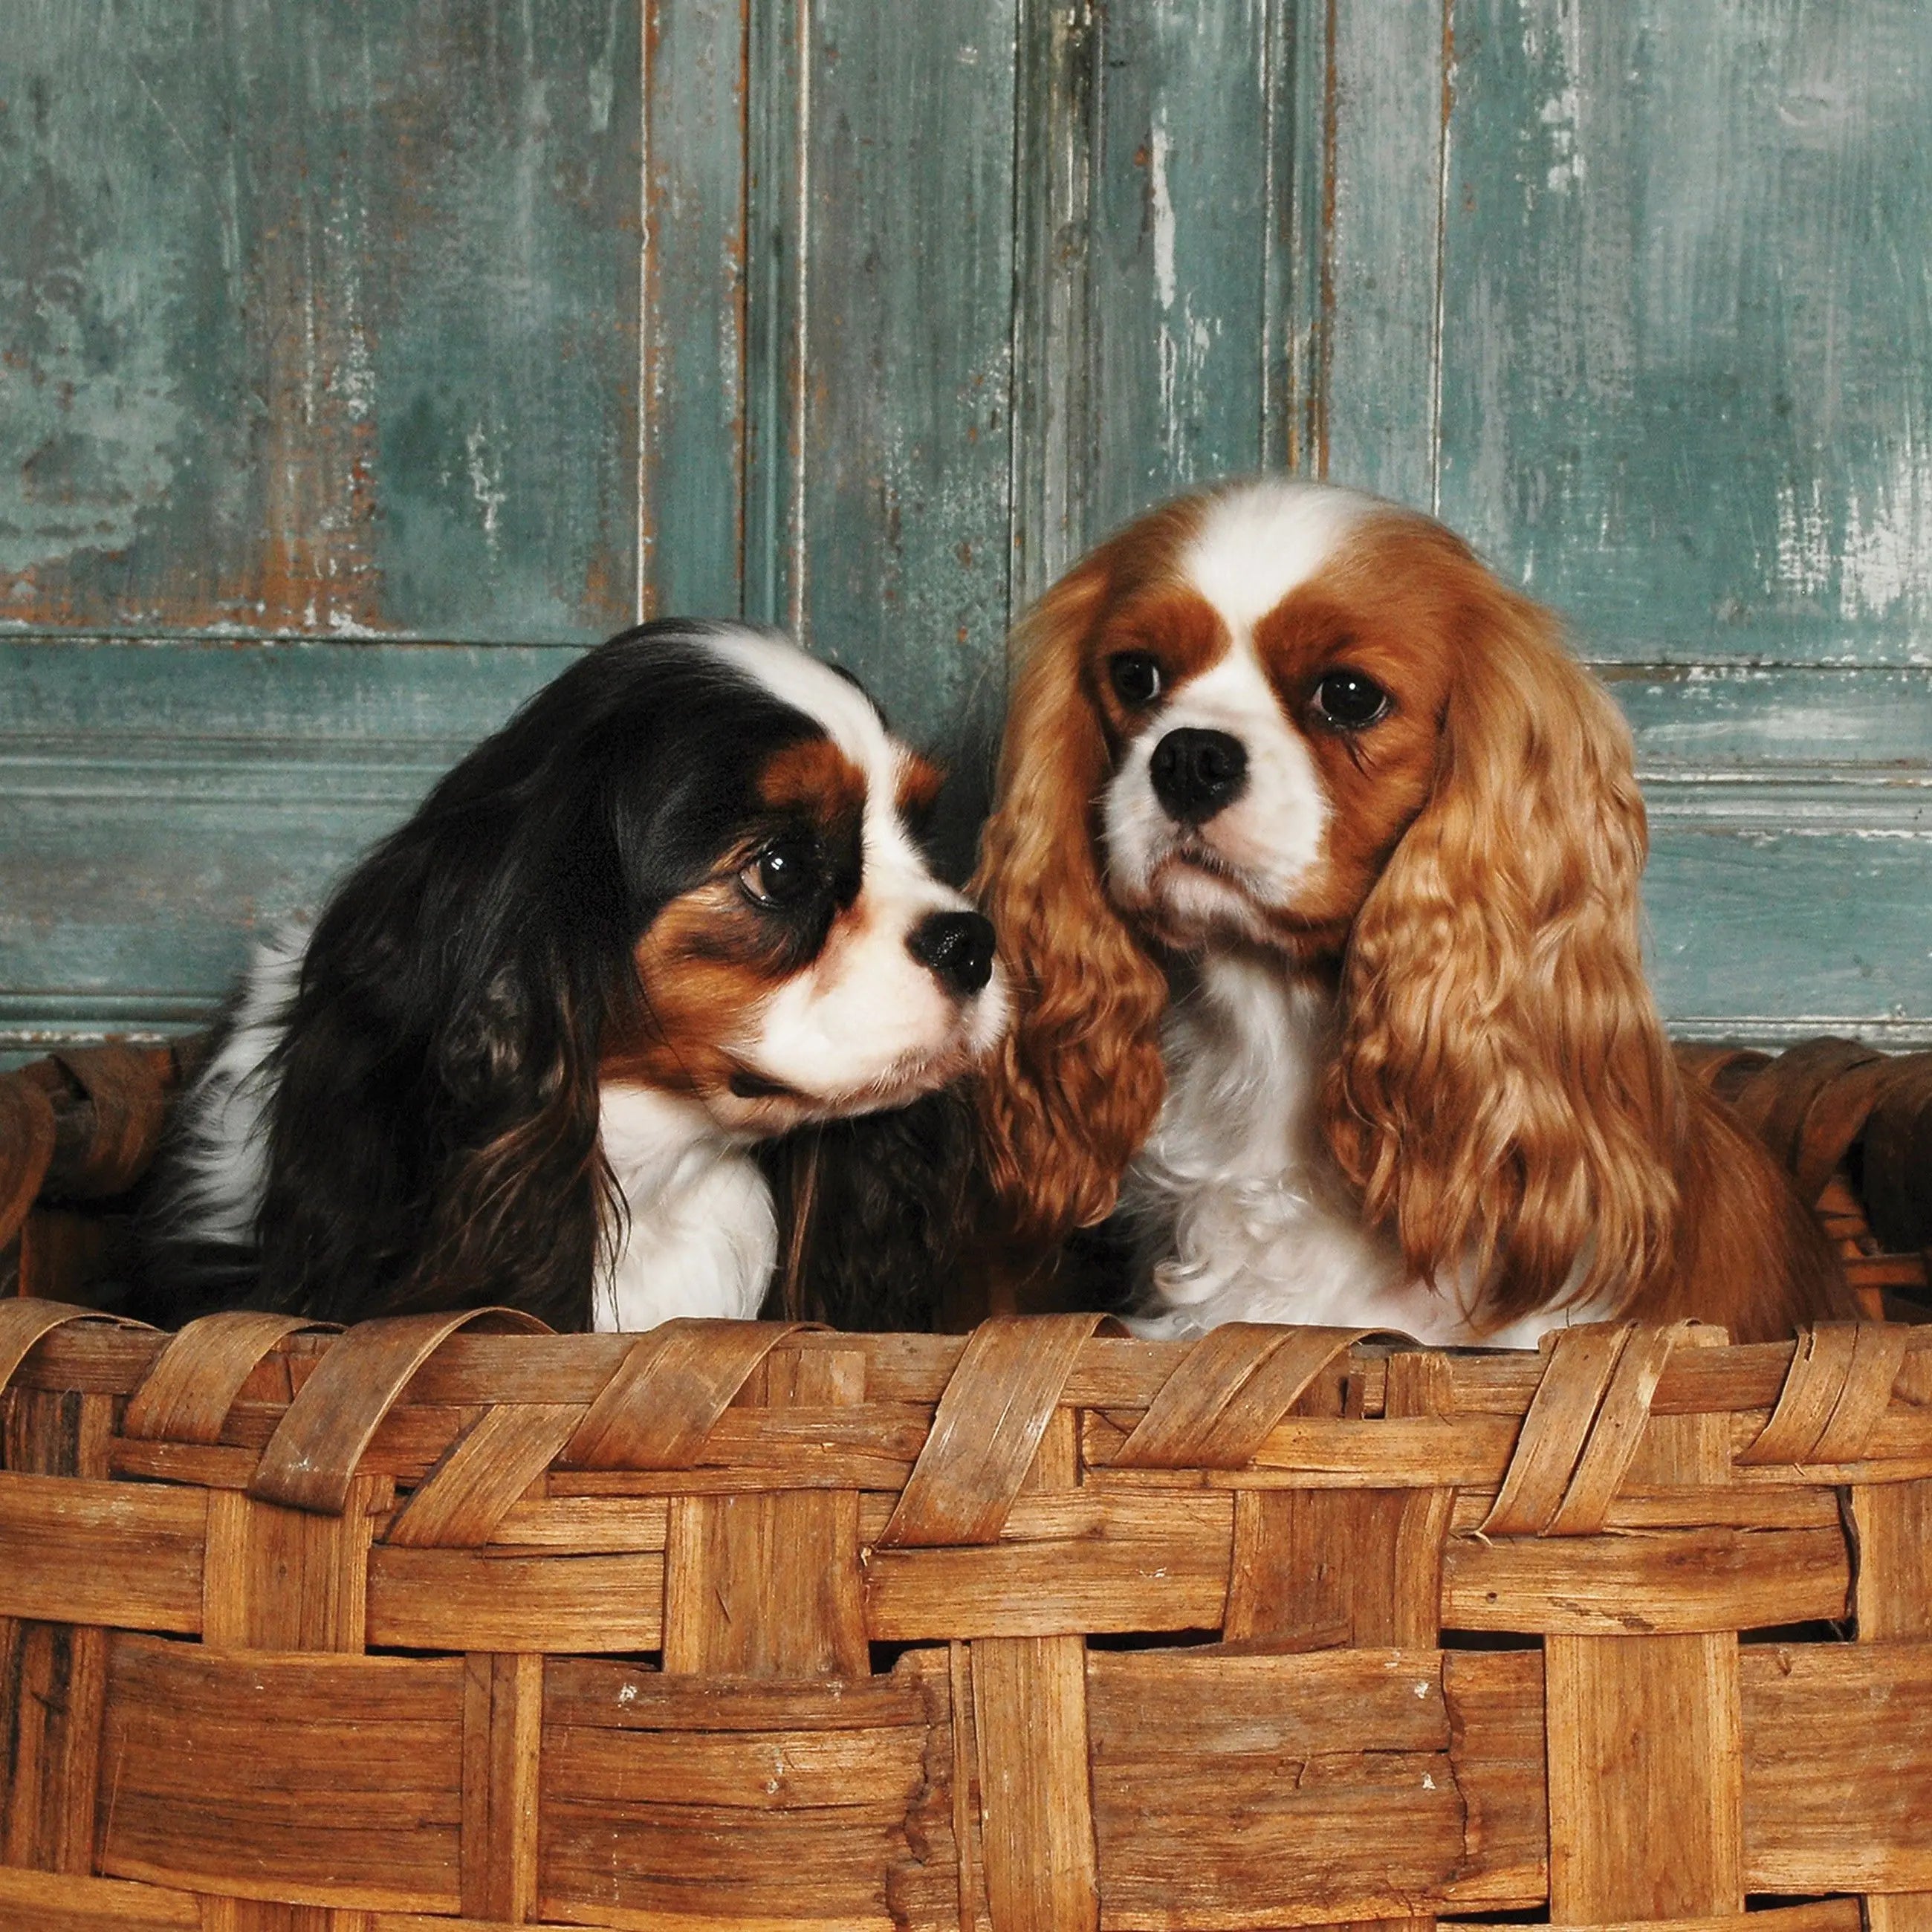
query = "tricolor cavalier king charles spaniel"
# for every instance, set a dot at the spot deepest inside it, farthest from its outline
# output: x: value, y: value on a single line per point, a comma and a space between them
x: 675, y: 908
x: 1315, y: 865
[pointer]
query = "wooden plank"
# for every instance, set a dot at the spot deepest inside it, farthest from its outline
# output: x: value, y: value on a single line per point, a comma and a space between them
x: 692, y: 346
x: 409, y: 239
x: 775, y: 1770
x: 1334, y: 1452
x: 1056, y: 63
x: 1161, y: 1704
x: 589, y: 1526
x: 53, y: 1675
x: 693, y: 1795
x: 75, y: 1551
x: 782, y: 1765
x: 778, y: 115
x: 1673, y: 399
x: 1893, y: 1600
x: 768, y: 1585
x: 587, y: 1693
x: 897, y: 527
x: 1728, y: 722
x: 1893, y: 1596
x: 1111, y: 1373
x: 1689, y: 1506
x: 1771, y: 928
x: 1313, y: 1568
x: 634, y: 1863
x: 466, y: 1599
x: 330, y: 1780
x: 278, y: 1579
x: 1181, y: 273
x: 503, y: 1721
x: 1837, y: 1761
x: 1385, y: 98
x: 1495, y: 1705
x: 51, y: 1681
x: 1703, y: 461
x: 160, y: 803
x: 1038, y: 1855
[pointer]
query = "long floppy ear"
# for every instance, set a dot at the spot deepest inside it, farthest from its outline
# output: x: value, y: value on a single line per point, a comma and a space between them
x: 434, y: 1137
x: 1505, y: 1092
x: 1075, y: 1087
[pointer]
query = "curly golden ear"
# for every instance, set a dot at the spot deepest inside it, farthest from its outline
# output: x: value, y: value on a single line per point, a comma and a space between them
x: 1504, y: 1091
x: 1075, y: 1088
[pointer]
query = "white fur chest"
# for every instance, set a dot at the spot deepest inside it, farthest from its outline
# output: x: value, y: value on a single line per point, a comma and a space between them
x: 1237, y: 1210
x: 700, y: 1237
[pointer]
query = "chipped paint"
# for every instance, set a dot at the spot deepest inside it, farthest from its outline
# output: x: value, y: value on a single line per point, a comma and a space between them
x: 1559, y: 114
x: 1684, y: 376
x: 486, y: 481
x: 1873, y: 547
x: 1887, y: 555
x: 270, y: 265
x: 1162, y: 205
x: 93, y: 407
x: 400, y: 364
x: 1804, y: 548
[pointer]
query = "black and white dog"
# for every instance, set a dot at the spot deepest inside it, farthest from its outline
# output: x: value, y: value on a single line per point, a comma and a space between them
x: 674, y: 909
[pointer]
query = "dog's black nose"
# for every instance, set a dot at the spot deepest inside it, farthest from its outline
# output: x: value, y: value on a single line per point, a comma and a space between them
x: 1196, y: 773
x: 957, y: 946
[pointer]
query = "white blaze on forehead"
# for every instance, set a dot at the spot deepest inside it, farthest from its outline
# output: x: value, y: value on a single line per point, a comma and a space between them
x: 1258, y: 543
x: 849, y: 719
x: 864, y: 1023
x: 1254, y: 546
x: 1270, y: 834
x: 835, y: 704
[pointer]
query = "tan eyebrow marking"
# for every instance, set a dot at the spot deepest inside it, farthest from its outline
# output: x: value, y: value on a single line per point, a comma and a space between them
x: 917, y: 790
x: 813, y: 775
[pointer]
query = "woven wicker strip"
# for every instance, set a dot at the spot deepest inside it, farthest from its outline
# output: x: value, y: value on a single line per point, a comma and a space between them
x: 657, y: 1410
x: 988, y: 1426
x: 1581, y: 1363
x: 24, y: 1323
x: 1222, y: 1403
x: 770, y: 1627
x: 1331, y: 1760
x: 1617, y: 1433
x: 109, y: 1140
x: 26, y: 1149
x: 192, y: 1385
x: 311, y: 1458
x: 1833, y: 1397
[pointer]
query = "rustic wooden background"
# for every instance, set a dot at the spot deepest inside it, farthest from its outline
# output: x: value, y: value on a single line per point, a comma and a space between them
x: 358, y: 362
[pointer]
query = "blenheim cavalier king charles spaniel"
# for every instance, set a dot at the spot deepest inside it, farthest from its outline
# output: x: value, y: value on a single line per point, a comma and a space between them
x: 1315, y: 866
x: 676, y: 908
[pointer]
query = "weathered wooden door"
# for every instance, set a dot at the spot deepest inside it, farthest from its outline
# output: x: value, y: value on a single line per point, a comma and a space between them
x: 359, y: 362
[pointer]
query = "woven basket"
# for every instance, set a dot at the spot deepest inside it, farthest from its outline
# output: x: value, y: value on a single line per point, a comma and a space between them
x: 431, y: 1625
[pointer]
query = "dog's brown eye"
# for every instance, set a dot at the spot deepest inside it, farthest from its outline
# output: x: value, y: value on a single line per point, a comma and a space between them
x: 1135, y: 677
x: 1349, y: 701
x: 786, y: 873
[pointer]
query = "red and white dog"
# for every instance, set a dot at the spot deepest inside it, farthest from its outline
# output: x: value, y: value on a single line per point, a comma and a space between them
x: 1315, y: 867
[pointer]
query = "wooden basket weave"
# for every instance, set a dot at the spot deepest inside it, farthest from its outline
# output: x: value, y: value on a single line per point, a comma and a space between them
x: 433, y: 1625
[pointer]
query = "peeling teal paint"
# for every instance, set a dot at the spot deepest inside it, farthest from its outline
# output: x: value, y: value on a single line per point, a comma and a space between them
x: 246, y: 239
x: 458, y: 336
